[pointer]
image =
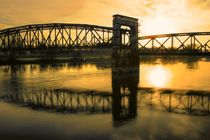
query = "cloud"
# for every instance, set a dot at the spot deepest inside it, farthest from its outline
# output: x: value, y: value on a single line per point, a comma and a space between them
x: 2, y: 26
x: 39, y: 11
x: 188, y: 14
x: 201, y: 4
x: 33, y: 11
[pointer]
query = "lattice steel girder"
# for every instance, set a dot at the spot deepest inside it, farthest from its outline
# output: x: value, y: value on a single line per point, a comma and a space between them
x: 56, y: 34
x: 180, y: 42
x: 174, y: 34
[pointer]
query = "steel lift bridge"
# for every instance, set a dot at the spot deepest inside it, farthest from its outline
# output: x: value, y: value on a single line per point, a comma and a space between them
x: 62, y: 35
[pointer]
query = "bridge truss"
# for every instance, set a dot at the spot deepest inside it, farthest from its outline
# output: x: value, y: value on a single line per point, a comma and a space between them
x: 178, y: 43
x: 62, y: 35
x: 57, y: 35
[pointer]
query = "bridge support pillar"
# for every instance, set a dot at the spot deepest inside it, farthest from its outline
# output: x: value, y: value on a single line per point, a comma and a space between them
x: 125, y: 68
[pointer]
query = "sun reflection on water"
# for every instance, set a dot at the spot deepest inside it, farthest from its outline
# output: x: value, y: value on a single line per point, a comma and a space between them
x: 159, y: 76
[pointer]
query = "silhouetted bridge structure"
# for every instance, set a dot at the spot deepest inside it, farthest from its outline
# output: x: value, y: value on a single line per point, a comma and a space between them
x: 55, y: 35
x: 74, y: 101
x: 176, y: 43
x: 124, y: 33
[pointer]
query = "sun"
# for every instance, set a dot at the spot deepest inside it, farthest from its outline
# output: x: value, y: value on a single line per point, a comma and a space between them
x: 159, y: 24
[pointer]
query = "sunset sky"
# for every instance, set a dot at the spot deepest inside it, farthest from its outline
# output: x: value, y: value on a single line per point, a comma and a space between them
x: 156, y: 16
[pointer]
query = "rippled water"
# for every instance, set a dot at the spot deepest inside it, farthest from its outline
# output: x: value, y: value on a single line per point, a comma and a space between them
x: 172, y: 102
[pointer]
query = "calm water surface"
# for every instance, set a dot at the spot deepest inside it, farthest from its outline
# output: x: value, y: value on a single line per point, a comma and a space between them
x: 162, y: 109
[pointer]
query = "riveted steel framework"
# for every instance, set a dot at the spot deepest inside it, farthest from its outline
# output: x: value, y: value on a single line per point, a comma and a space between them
x: 84, y: 35
x: 177, y: 43
x: 57, y: 35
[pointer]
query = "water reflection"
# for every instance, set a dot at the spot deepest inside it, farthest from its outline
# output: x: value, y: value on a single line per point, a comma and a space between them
x: 175, y: 73
x: 123, y: 102
x: 154, y: 73
x: 23, y: 68
x: 122, y: 106
x: 191, y: 62
x: 125, y: 79
x: 65, y: 75
x: 159, y: 76
x: 107, y: 97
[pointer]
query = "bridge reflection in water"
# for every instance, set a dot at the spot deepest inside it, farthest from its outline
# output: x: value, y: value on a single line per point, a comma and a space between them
x: 123, y: 106
x: 124, y: 101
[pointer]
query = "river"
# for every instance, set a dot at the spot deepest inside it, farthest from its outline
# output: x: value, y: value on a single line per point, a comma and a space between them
x: 160, y: 110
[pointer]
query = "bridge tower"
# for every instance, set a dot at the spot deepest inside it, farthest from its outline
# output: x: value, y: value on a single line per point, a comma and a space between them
x: 125, y: 57
x: 120, y: 21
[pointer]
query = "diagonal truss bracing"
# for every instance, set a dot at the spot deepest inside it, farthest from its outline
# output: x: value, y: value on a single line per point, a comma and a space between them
x: 178, y: 43
x: 56, y: 35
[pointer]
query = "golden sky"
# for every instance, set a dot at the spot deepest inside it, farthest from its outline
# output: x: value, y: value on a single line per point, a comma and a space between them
x: 156, y: 16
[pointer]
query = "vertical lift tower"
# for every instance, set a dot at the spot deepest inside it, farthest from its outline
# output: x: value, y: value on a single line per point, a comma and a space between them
x: 121, y: 55
x: 132, y: 24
